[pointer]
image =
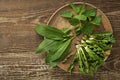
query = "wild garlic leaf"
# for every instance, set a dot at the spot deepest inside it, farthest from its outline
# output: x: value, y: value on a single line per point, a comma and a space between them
x: 87, y: 29
x: 71, y: 67
x: 66, y: 14
x: 97, y: 20
x: 73, y: 21
x: 80, y: 17
x: 90, y: 12
x: 50, y: 32
x: 75, y: 8
x: 61, y: 50
x: 44, y: 45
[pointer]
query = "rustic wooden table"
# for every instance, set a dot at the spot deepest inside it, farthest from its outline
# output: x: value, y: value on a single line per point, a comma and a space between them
x: 18, y: 40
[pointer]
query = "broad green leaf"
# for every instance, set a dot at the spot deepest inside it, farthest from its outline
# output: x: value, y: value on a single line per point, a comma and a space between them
x: 82, y: 8
x: 53, y: 49
x: 75, y: 8
x: 97, y: 20
x: 87, y: 29
x: 90, y: 12
x: 44, y: 45
x: 53, y: 64
x: 73, y: 21
x: 65, y: 53
x: 61, y: 50
x: 66, y: 14
x: 80, y: 17
x: 49, y: 32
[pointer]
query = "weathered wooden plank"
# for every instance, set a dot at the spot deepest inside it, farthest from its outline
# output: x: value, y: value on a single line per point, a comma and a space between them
x: 18, y: 40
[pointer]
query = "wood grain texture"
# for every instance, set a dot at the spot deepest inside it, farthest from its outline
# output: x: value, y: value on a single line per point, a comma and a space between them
x: 18, y: 40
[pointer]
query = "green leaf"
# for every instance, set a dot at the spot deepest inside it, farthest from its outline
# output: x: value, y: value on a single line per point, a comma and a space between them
x: 66, y: 30
x: 80, y: 17
x: 75, y: 8
x: 53, y: 64
x: 44, y: 45
x: 65, y: 53
x: 66, y: 14
x: 49, y: 32
x: 90, y: 12
x: 73, y: 21
x: 61, y: 50
x: 97, y: 20
x: 53, y: 49
x: 78, y: 30
x: 82, y: 8
x: 88, y: 29
x: 70, y: 68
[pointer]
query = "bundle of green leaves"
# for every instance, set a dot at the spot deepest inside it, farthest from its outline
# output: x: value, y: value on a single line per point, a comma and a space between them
x: 57, y: 42
x: 82, y: 19
x: 91, y: 52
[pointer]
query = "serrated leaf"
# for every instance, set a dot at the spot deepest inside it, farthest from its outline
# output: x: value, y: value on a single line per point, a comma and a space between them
x: 75, y: 8
x: 88, y: 29
x: 90, y: 12
x: 73, y: 21
x: 50, y: 32
x: 66, y: 14
x: 60, y: 51
x: 82, y: 8
x: 97, y: 20
x: 80, y: 17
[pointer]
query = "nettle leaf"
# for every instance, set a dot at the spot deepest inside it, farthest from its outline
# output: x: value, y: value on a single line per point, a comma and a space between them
x: 73, y: 21
x: 50, y: 32
x: 75, y: 8
x: 90, y: 12
x: 61, y: 50
x: 97, y: 20
x: 87, y: 29
x: 82, y: 8
x: 80, y: 17
x: 66, y: 14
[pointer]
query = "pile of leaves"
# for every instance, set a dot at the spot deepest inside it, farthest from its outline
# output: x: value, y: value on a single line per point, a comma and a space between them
x: 90, y: 51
